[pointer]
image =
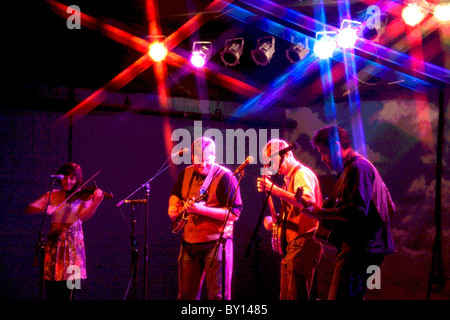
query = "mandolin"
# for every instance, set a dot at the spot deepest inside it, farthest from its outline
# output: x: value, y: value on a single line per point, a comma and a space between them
x: 181, y: 220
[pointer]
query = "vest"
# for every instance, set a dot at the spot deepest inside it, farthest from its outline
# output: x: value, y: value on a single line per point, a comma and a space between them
x: 200, y: 228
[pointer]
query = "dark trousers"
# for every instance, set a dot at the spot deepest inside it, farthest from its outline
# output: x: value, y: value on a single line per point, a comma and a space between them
x: 298, y: 267
x: 351, y: 273
x: 197, y: 264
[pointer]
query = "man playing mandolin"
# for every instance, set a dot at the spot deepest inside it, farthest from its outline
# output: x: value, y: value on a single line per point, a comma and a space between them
x: 204, y: 222
x: 295, y: 231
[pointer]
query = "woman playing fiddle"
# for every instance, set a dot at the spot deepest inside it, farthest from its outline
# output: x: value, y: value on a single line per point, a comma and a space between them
x: 65, y: 243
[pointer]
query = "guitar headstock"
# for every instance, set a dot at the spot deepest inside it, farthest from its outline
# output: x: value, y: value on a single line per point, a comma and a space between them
x: 204, y: 196
x: 108, y: 195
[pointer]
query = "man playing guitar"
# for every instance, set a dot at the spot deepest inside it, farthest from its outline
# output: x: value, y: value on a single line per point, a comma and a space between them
x: 360, y: 217
x: 295, y: 231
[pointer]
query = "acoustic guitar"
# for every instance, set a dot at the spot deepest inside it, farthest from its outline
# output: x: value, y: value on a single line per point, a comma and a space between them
x: 325, y: 226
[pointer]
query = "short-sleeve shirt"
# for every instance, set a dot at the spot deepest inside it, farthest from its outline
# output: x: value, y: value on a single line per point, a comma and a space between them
x: 298, y: 223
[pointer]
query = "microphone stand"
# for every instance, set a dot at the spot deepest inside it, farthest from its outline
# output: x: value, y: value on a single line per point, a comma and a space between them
x: 223, y: 241
x: 40, y: 246
x: 134, y: 253
x: 256, y: 239
x: 146, y: 185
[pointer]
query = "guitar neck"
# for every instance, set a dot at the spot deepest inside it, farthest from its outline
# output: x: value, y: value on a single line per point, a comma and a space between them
x: 272, y: 208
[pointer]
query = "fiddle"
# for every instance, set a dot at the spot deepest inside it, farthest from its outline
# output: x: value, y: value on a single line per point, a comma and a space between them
x: 84, y: 193
x: 87, y: 193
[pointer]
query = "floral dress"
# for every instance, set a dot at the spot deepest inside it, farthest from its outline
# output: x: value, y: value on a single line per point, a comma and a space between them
x: 64, y: 256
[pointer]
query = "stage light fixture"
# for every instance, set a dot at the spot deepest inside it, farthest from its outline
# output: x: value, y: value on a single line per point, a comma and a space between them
x: 414, y: 13
x: 348, y: 34
x: 265, y: 48
x: 157, y: 51
x: 325, y: 44
x: 297, y: 51
x: 232, y: 51
x: 442, y: 12
x: 201, y: 52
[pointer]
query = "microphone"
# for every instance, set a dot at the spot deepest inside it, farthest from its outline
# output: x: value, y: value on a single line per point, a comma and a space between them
x: 136, y: 201
x: 282, y: 152
x: 57, y: 176
x: 242, y: 166
x: 180, y: 153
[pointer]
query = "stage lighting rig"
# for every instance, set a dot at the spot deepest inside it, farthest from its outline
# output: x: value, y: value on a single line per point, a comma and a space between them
x: 265, y: 48
x: 232, y: 51
x: 157, y: 49
x: 201, y: 52
x: 297, y: 51
x: 325, y: 44
x: 348, y: 34
x: 415, y: 12
x: 442, y: 12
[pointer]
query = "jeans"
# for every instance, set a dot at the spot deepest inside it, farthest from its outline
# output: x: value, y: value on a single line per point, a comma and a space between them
x: 298, y: 267
x: 196, y: 264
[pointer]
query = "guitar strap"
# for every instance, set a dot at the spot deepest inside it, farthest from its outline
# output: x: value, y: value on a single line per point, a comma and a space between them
x: 209, y: 177
x: 285, y: 212
x: 289, y: 188
x: 206, y: 182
